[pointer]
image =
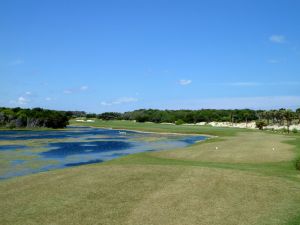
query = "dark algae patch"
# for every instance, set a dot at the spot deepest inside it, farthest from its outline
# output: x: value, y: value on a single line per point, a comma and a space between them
x: 83, y: 163
x: 74, y: 148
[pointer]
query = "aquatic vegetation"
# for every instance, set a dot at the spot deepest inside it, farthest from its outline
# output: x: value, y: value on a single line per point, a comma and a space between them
x: 151, y: 138
x: 25, y: 152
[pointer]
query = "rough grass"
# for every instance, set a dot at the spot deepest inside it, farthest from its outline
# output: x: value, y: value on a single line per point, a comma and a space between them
x: 148, y: 194
x: 244, y: 182
x: 214, y: 196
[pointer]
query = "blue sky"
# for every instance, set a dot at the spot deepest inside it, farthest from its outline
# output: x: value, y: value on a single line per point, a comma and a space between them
x: 122, y: 55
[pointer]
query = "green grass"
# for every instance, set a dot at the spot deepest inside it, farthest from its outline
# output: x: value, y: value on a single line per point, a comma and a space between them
x: 242, y: 182
x: 154, y: 127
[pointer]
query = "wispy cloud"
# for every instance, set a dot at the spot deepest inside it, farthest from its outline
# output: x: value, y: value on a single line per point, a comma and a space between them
x: 67, y: 92
x: 48, y: 99
x: 75, y: 90
x: 185, y: 82
x: 277, y: 38
x: 122, y: 100
x: 273, y: 61
x: 243, y: 84
x: 16, y: 62
x: 84, y: 88
x: 21, y: 101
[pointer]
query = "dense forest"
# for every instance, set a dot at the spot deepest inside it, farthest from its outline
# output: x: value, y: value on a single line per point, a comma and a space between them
x: 280, y: 116
x: 31, y: 118
x: 38, y: 117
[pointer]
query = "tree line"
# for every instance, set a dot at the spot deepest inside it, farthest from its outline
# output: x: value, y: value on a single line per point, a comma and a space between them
x: 280, y: 116
x: 32, y: 118
x: 38, y: 117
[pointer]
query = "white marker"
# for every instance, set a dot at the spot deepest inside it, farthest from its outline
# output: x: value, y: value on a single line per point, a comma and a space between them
x: 216, y: 148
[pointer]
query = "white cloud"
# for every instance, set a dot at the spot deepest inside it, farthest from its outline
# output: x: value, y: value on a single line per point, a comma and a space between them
x: 122, y: 100
x: 84, y: 88
x: 277, y: 38
x: 185, y: 82
x: 76, y: 90
x: 104, y: 103
x: 16, y: 62
x: 20, y: 101
x: 67, y: 92
x: 28, y: 93
x: 243, y: 84
x: 48, y: 99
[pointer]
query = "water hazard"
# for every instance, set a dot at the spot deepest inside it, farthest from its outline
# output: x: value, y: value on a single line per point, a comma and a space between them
x: 27, y: 152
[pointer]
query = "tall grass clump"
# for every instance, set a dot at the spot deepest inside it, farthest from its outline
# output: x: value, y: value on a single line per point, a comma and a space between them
x: 295, y: 131
x: 297, y: 164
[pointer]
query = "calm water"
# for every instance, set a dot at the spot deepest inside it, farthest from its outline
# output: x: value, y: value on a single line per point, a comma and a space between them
x: 26, y: 152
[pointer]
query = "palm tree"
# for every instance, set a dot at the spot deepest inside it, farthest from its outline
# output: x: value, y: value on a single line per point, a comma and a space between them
x: 259, y: 114
x: 231, y: 117
x: 289, y: 116
x: 267, y: 116
x: 246, y: 115
x: 279, y: 116
x: 273, y: 115
x: 298, y: 114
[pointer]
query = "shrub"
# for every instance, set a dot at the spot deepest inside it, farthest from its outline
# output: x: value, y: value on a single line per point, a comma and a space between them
x: 179, y: 122
x: 11, y: 125
x: 260, y: 124
x: 295, y: 131
x: 297, y: 164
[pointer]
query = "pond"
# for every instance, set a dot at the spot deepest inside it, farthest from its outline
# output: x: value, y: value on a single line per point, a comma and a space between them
x: 27, y: 152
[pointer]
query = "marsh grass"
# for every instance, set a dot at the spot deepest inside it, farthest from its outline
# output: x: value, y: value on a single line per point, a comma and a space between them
x: 297, y: 164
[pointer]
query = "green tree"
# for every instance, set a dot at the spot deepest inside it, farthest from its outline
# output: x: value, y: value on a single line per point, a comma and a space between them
x: 260, y: 124
x: 36, y: 117
x: 179, y: 122
x: 298, y: 114
x: 289, y: 116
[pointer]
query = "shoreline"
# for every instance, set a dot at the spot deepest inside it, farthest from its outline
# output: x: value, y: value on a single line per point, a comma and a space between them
x: 109, y: 128
x: 30, y: 129
x: 152, y: 132
x: 70, y: 127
